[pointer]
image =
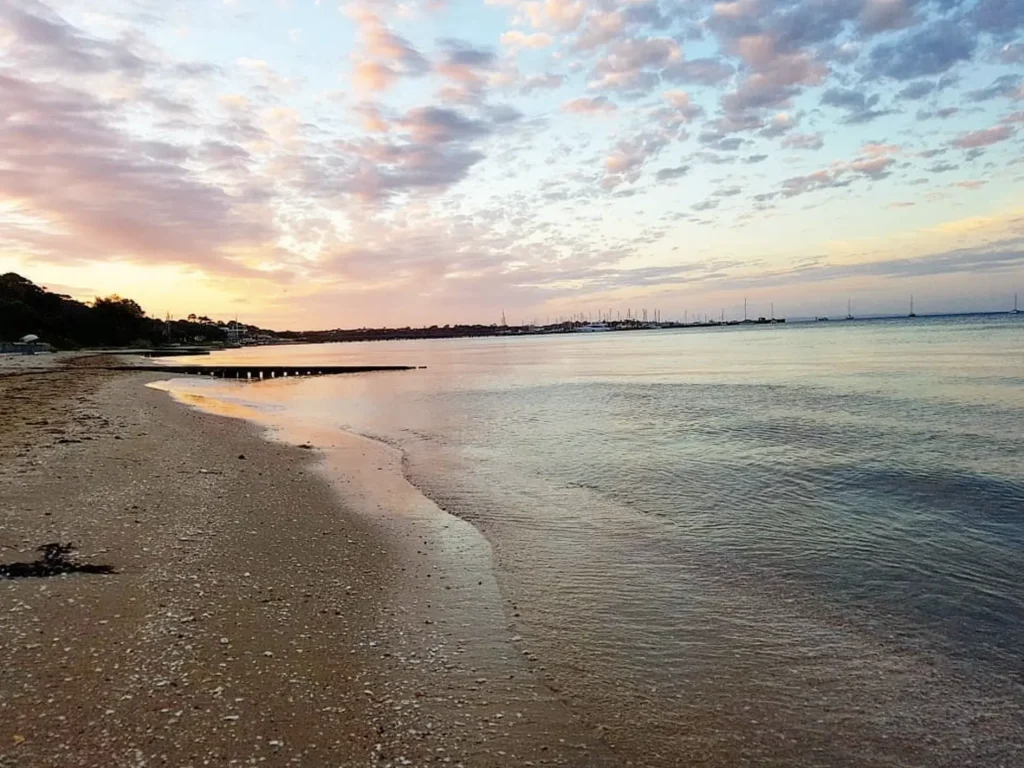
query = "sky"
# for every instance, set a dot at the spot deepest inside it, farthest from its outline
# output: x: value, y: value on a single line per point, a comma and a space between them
x: 307, y: 164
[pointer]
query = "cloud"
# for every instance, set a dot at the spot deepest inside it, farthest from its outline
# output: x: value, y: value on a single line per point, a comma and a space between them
x: 1001, y: 17
x: 1012, y: 53
x: 810, y: 141
x: 561, y: 15
x: 437, y: 125
x: 706, y: 71
x: 373, y: 77
x: 633, y: 64
x: 940, y: 114
x: 540, y: 82
x: 983, y: 137
x: 601, y: 27
x: 721, y: 144
x: 872, y: 165
x: 998, y: 256
x: 879, y: 149
x: 668, y: 174
x: 467, y: 68
x: 676, y: 111
x: 629, y: 155
x: 585, y: 105
x: 859, y: 108
x: 885, y: 15
x: 516, y: 39
x: 779, y: 125
x: 373, y: 120
x: 106, y: 194
x: 1005, y: 86
x: 706, y: 205
x: 776, y: 77
x: 916, y: 90
x: 417, y: 177
x: 464, y: 61
x: 41, y: 39
x: 929, y: 50
x: 384, y: 56
x: 644, y: 53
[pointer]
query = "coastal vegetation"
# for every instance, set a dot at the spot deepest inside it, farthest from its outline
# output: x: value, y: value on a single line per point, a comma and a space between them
x: 112, y: 321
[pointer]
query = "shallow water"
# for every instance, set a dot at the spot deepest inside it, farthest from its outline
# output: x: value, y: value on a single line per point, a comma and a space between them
x: 792, y: 545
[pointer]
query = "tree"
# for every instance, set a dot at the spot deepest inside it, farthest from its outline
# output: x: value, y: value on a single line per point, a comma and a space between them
x: 120, y: 321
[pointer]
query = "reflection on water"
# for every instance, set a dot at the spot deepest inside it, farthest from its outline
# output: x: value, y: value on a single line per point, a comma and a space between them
x: 786, y: 545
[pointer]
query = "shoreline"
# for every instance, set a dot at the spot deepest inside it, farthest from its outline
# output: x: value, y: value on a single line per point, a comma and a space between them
x: 258, y: 612
x: 448, y: 652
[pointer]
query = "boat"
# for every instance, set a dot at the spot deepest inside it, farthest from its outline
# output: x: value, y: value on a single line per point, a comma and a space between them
x: 1015, y: 310
x: 821, y: 319
x: 912, y: 314
x: 849, y: 310
x: 593, y: 328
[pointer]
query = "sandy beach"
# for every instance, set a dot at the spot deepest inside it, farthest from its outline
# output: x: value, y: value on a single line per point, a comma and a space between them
x: 258, y: 613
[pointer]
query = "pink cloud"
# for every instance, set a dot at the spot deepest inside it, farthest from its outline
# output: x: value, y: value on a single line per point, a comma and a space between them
x: 108, y: 194
x: 516, y: 39
x: 600, y: 28
x: 873, y: 166
x: 984, y: 137
x: 629, y: 155
x: 877, y: 149
x: 383, y: 56
x: 372, y: 119
x: 636, y: 54
x: 585, y: 105
x: 372, y: 76
x: 563, y: 15
x: 838, y: 175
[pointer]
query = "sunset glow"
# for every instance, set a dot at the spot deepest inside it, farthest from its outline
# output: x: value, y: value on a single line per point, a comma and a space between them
x: 305, y: 164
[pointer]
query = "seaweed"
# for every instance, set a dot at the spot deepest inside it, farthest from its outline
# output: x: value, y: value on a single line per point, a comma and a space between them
x: 56, y: 560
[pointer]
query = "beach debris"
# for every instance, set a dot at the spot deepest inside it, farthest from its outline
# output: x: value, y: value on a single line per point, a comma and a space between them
x: 56, y: 560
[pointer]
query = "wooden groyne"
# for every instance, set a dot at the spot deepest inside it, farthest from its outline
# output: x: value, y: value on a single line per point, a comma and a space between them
x: 262, y: 372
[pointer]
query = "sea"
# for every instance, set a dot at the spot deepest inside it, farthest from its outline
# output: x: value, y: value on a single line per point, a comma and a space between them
x: 796, y: 544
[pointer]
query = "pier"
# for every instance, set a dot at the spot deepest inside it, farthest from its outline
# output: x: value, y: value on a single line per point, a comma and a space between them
x: 262, y: 372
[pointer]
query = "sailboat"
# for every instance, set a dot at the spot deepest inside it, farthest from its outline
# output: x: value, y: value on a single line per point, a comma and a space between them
x: 912, y: 307
x: 1015, y: 310
x: 849, y: 310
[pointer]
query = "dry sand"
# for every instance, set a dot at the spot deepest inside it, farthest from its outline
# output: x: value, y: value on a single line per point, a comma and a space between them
x: 257, y: 616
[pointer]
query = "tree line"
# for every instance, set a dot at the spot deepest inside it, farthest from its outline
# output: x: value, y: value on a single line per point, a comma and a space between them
x: 113, y: 321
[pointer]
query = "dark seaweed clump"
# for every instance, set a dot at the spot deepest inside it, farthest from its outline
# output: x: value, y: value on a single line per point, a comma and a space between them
x: 56, y: 560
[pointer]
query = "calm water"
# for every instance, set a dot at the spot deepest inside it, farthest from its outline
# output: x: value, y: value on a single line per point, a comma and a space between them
x: 795, y: 545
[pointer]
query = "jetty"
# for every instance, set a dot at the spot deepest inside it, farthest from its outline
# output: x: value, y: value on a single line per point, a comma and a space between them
x: 262, y: 372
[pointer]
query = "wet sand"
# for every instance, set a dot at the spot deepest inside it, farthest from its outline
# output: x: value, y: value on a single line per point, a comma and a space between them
x: 258, y: 613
